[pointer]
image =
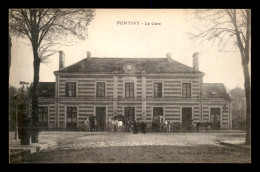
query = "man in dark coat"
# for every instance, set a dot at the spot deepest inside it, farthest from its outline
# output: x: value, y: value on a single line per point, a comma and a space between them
x: 198, y: 126
x: 135, y: 128
x: 92, y: 123
x: 143, y: 127
x: 128, y: 126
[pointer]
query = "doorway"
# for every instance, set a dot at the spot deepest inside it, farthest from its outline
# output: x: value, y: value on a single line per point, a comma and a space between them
x: 43, y: 117
x: 157, y: 118
x: 158, y: 114
x: 71, y: 118
x: 215, y: 118
x: 129, y: 114
x: 101, y: 118
x: 186, y: 117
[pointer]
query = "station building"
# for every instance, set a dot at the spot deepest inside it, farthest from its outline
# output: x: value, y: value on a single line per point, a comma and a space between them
x: 137, y: 88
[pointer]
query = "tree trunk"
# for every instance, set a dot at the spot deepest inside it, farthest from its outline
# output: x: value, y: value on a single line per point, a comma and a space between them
x: 247, y: 80
x: 35, y: 129
x: 244, y: 52
x: 248, y: 104
x: 10, y: 46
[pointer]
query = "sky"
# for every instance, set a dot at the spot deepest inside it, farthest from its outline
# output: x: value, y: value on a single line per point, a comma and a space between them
x: 109, y: 36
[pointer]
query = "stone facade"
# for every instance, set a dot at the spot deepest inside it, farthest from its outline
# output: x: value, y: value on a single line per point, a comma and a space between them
x: 143, y: 101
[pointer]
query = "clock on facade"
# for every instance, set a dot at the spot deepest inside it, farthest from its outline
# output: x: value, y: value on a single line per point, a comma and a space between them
x: 129, y: 67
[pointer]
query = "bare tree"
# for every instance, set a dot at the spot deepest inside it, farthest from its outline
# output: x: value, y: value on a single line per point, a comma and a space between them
x: 45, y: 29
x: 230, y: 27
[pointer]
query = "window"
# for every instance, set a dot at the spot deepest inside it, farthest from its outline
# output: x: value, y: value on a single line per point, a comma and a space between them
x: 71, y: 114
x: 43, y: 114
x: 186, y: 90
x: 71, y: 89
x: 129, y: 113
x: 129, y: 89
x: 100, y: 89
x: 157, y: 89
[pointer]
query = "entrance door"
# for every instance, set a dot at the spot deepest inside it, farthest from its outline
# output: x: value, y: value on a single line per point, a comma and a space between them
x: 43, y: 117
x: 157, y: 114
x: 129, y: 114
x: 71, y: 118
x: 215, y: 118
x: 186, y: 117
x: 157, y: 118
x: 101, y: 118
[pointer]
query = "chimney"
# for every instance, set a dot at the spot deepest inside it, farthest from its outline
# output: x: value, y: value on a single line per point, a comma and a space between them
x: 196, y: 61
x: 61, y: 60
x: 168, y: 56
x: 88, y: 56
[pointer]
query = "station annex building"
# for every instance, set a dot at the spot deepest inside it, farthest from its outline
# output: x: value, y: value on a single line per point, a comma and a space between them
x: 137, y: 88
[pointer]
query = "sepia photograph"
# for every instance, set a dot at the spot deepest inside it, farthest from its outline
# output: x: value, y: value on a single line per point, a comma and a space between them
x: 129, y: 86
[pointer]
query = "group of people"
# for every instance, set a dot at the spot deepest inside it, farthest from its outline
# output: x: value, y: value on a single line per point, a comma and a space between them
x: 138, y: 126
x: 115, y: 125
x: 90, y: 125
x: 145, y: 127
x: 127, y: 126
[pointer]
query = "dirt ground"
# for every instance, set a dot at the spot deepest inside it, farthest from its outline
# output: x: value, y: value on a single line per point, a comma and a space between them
x: 105, y: 147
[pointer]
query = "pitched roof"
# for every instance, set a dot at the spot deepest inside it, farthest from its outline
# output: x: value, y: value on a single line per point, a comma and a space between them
x: 214, y: 90
x: 46, y: 89
x: 110, y: 65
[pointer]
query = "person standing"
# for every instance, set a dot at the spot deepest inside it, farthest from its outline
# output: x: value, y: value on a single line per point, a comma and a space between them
x: 198, y: 126
x: 207, y: 124
x: 131, y: 126
x: 116, y: 125
x: 169, y: 127
x: 138, y: 125
x: 120, y: 125
x: 91, y: 123
x: 127, y: 126
x: 95, y: 125
x: 87, y: 125
x: 165, y: 125
x: 135, y: 127
x: 149, y: 127
x: 143, y: 127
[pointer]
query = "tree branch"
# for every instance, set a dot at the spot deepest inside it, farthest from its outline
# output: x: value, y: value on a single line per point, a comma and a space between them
x: 245, y: 16
x: 248, y: 36
x: 46, y: 27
